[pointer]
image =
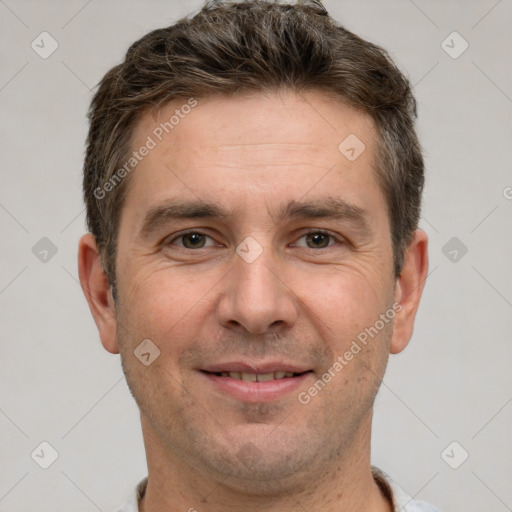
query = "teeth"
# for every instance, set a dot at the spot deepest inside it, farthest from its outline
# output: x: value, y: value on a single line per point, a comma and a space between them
x: 257, y: 377
x: 263, y: 377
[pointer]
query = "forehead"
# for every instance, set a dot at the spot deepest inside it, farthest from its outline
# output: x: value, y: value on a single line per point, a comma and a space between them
x: 248, y: 143
x: 312, y: 119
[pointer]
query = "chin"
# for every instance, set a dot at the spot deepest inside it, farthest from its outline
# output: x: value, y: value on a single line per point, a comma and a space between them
x: 267, y: 477
x: 264, y: 465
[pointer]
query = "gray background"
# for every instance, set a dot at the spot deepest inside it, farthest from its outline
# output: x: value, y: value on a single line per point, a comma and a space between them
x: 453, y: 383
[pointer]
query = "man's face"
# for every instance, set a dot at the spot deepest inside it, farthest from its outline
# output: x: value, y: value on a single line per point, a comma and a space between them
x: 275, y: 284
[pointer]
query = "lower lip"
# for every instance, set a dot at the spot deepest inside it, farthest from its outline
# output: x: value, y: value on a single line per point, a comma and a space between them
x: 256, y: 392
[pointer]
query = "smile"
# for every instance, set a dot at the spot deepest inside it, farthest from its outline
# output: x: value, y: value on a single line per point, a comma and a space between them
x: 253, y: 387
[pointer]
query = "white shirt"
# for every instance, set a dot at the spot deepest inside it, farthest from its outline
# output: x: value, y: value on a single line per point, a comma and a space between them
x: 402, y: 502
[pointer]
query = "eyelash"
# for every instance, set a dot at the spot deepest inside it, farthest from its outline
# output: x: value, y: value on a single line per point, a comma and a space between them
x: 313, y: 231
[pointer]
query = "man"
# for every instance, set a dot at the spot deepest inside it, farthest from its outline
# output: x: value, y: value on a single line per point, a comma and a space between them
x: 253, y: 184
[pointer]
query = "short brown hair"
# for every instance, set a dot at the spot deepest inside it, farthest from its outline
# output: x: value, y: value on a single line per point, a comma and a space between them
x: 253, y: 45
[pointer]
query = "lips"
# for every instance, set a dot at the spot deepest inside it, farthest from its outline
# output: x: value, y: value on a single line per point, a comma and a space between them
x: 256, y: 382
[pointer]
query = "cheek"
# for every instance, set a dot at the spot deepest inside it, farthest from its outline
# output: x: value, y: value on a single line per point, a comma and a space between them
x: 346, y: 301
x: 164, y: 301
x: 164, y: 309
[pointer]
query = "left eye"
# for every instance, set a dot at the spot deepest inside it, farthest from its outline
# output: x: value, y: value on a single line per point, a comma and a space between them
x: 317, y: 240
x: 193, y: 240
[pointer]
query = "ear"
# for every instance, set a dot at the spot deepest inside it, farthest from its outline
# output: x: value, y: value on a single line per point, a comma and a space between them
x: 408, y: 290
x: 98, y: 292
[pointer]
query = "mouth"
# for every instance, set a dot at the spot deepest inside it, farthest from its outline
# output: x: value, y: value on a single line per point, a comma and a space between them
x: 257, y: 377
x: 255, y: 386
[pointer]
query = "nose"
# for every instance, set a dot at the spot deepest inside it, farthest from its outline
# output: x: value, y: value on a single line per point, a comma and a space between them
x: 256, y: 296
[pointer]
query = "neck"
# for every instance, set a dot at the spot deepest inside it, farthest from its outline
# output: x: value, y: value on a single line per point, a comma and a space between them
x: 343, y: 483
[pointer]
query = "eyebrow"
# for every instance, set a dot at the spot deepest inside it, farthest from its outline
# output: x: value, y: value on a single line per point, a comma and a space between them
x: 177, y: 210
x: 327, y: 208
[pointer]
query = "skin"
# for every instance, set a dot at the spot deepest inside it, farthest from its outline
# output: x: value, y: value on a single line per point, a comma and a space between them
x: 300, y: 301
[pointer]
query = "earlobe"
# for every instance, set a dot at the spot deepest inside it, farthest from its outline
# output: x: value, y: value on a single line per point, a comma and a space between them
x: 408, y: 290
x: 97, y: 291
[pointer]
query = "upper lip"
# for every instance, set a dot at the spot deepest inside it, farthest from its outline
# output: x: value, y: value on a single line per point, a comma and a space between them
x: 254, y: 367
